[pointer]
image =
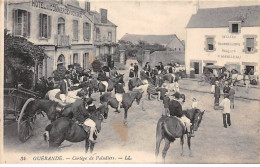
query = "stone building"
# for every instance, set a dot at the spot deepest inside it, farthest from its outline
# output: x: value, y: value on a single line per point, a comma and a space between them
x: 223, y: 36
x: 68, y: 30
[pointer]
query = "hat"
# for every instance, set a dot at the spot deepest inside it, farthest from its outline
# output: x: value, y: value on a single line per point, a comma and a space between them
x: 176, y: 95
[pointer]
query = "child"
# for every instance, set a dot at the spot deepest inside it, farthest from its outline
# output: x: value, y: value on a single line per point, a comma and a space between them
x: 162, y: 91
x: 232, y: 96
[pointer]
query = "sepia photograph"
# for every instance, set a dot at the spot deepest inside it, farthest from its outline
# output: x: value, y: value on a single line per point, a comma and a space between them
x: 130, y: 82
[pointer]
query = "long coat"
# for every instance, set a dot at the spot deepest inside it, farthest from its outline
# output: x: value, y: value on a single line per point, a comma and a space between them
x: 217, y: 91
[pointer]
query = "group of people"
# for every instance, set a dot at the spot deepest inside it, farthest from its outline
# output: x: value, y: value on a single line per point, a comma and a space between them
x: 227, y: 103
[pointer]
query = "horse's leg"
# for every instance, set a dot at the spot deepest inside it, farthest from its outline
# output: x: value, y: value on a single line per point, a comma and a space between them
x: 159, y: 137
x: 149, y: 96
x: 92, y: 145
x: 183, y: 98
x: 86, y: 145
x: 125, y: 117
x: 165, y: 149
x: 182, y: 142
x: 142, y: 101
x: 188, y: 140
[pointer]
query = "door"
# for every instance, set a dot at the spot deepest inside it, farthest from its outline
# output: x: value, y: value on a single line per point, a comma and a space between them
x: 248, y: 69
x: 109, y: 59
x: 196, y: 67
x: 85, y: 60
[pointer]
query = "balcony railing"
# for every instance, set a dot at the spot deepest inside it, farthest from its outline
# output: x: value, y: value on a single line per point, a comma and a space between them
x: 62, y: 40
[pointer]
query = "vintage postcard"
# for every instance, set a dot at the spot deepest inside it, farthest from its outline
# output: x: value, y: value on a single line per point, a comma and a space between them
x: 127, y: 82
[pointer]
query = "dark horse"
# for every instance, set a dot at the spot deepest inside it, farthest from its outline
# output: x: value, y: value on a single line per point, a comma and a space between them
x: 170, y: 128
x: 135, y: 82
x: 111, y: 84
x: 127, y: 101
x: 66, y: 129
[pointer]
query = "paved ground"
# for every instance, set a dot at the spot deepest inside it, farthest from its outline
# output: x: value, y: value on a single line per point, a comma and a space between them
x: 212, y: 143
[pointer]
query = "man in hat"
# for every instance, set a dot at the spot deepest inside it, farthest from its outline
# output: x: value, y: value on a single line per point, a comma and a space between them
x: 217, y: 94
x: 166, y: 101
x: 176, y: 110
x: 64, y: 87
x: 161, y: 67
x: 136, y: 69
x: 119, y: 89
x: 50, y: 83
x: 103, y: 78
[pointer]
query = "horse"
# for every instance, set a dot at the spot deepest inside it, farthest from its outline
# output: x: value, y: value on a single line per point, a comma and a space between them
x: 68, y: 110
x: 107, y: 98
x: 111, y: 84
x: 127, y: 101
x: 136, y: 82
x: 72, y: 96
x: 169, y: 128
x: 66, y: 129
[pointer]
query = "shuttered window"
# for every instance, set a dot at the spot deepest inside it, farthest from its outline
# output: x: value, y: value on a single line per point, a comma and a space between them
x: 250, y: 44
x: 75, y: 29
x: 86, y: 31
x: 21, y: 22
x: 75, y: 58
x: 98, y: 36
x: 210, y: 43
x: 44, y: 26
x: 109, y: 36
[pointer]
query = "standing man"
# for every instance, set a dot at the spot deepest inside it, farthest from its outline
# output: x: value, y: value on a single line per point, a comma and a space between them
x: 232, y: 96
x: 64, y: 88
x: 226, y: 111
x: 161, y: 67
x: 213, y: 83
x: 217, y: 94
x: 119, y: 89
x: 136, y: 69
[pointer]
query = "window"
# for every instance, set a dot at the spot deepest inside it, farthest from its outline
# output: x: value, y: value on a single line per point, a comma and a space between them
x: 61, y: 61
x: 75, y: 58
x: 61, y: 26
x: 86, y: 31
x: 45, y: 26
x: 234, y: 26
x: 75, y: 29
x: 250, y: 44
x: 21, y: 23
x: 109, y: 36
x: 210, y: 44
x: 98, y: 36
x: 85, y: 60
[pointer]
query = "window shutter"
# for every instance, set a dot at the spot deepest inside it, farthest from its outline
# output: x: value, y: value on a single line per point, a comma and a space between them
x: 29, y: 24
x: 40, y: 25
x: 89, y: 31
x: 15, y: 20
x: 84, y: 31
x: 250, y: 42
x: 49, y: 26
x: 210, y: 41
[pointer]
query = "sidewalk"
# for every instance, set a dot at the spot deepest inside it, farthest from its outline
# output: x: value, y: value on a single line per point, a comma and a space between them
x: 193, y: 85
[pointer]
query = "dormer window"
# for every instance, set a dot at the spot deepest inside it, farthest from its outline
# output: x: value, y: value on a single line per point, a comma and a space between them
x: 234, y: 26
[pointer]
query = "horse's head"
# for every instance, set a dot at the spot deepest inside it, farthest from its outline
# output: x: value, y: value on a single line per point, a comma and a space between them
x: 97, y: 117
x: 197, y: 119
x: 138, y: 97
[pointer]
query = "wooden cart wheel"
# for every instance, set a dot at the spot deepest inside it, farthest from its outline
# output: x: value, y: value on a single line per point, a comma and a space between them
x: 24, y: 126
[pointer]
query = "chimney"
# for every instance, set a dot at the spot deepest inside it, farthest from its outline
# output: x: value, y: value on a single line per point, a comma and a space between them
x: 87, y: 6
x: 103, y: 13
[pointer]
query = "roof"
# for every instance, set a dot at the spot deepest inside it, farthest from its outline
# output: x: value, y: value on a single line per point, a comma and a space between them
x: 151, y: 39
x: 97, y: 19
x: 220, y: 17
x: 176, y: 56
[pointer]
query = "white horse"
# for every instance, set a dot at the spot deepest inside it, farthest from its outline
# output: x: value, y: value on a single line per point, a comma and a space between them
x: 54, y: 95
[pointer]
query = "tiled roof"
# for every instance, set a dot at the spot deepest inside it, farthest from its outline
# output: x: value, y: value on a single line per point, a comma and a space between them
x: 220, y: 17
x: 97, y: 19
x: 151, y: 39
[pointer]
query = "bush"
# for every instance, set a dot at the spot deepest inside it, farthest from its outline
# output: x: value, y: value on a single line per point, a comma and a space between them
x: 59, y: 74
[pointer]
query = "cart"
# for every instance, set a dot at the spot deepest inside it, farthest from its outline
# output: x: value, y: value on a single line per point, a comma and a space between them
x: 15, y: 103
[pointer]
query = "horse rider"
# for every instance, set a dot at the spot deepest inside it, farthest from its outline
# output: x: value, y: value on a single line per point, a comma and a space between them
x: 64, y: 88
x: 161, y: 67
x: 113, y: 73
x: 144, y: 77
x: 50, y: 83
x: 82, y: 113
x: 176, y: 110
x: 119, y: 90
x: 147, y: 67
x: 103, y: 79
x: 136, y: 69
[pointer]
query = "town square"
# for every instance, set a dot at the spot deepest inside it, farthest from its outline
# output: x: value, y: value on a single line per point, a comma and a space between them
x: 82, y: 87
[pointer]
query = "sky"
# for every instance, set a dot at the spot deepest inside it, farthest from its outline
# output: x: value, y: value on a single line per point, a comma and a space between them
x: 157, y: 17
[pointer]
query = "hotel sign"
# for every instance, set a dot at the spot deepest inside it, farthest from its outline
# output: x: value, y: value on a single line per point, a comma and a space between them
x: 55, y: 8
x: 228, y: 47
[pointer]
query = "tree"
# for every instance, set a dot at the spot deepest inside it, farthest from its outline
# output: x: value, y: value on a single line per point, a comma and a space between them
x: 20, y: 56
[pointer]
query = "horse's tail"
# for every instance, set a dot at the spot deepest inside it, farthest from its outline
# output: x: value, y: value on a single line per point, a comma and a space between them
x: 46, y: 134
x: 168, y: 133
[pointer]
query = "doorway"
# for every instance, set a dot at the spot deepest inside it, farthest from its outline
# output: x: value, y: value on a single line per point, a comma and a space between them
x: 196, y: 67
x: 249, y: 68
